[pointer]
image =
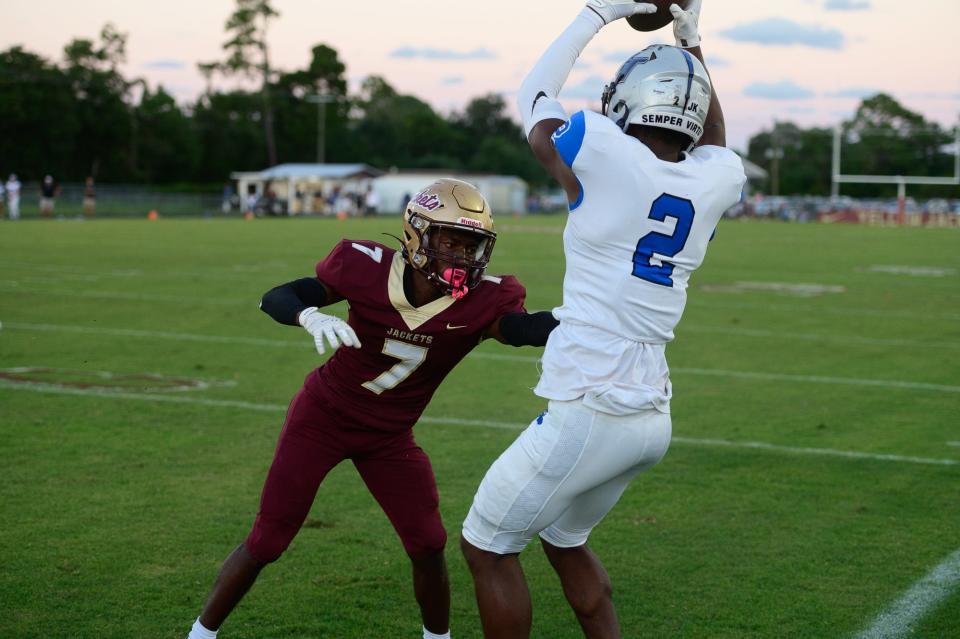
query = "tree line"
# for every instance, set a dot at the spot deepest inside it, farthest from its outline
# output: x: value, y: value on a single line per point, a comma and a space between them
x: 81, y: 116
x: 882, y: 138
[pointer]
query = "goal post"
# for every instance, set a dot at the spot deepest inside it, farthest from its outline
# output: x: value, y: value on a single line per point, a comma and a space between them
x: 900, y: 180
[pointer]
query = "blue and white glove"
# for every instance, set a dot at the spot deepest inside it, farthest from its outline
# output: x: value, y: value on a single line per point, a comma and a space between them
x: 611, y: 10
x: 686, y: 24
x: 328, y: 327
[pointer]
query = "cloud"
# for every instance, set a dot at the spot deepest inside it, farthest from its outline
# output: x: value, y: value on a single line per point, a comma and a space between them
x: 619, y: 56
x: 451, y: 80
x: 165, y: 65
x: 934, y: 95
x: 800, y: 110
x: 783, y: 90
x: 713, y: 62
x: 783, y: 32
x: 588, y: 89
x: 410, y: 53
x: 847, y: 5
x: 622, y: 55
x: 852, y: 92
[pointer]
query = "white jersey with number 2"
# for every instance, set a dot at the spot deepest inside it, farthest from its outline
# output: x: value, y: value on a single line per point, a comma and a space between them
x: 639, y: 229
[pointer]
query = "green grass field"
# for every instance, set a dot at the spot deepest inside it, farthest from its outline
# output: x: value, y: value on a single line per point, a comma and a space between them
x: 120, y: 500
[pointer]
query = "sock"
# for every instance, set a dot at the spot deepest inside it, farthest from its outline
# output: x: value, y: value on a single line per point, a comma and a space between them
x: 429, y: 635
x: 199, y: 632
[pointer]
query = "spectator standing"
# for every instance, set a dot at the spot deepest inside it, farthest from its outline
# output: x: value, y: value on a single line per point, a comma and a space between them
x: 89, y: 198
x: 48, y: 195
x: 13, y: 196
x: 371, y: 201
x: 251, y: 202
x: 226, y: 204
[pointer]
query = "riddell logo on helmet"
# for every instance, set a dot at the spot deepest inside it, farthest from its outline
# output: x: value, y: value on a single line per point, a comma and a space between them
x: 429, y: 201
x: 470, y: 222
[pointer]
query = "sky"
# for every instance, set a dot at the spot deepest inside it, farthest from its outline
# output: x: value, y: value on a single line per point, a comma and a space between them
x: 805, y: 61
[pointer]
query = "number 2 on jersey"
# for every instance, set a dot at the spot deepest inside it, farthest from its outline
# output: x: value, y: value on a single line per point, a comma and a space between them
x: 410, y: 357
x: 663, y: 245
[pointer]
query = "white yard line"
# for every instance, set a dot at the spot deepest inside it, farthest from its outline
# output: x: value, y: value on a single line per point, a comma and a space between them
x: 13, y: 287
x: 814, y: 379
x: 815, y: 337
x: 900, y: 618
x: 819, y: 379
x: 710, y: 372
x: 212, y: 271
x: 132, y: 332
x: 455, y: 421
x: 813, y: 309
x: 829, y: 452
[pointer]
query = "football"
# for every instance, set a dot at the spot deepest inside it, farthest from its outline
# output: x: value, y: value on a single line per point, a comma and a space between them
x: 654, y: 21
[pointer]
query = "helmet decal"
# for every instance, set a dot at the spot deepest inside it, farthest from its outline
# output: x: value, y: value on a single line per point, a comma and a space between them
x: 429, y: 201
x: 469, y: 221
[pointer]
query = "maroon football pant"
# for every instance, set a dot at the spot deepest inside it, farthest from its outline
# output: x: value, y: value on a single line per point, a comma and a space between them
x: 314, y: 439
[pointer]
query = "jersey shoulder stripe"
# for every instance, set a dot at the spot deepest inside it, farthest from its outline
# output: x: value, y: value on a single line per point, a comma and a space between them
x: 568, y: 139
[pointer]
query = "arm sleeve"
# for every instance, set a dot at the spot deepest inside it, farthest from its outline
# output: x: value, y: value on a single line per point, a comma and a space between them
x: 527, y: 329
x: 284, y: 303
x: 537, y: 97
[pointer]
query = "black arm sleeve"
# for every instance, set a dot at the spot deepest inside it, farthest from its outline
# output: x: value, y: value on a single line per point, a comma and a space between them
x: 527, y: 329
x: 285, y: 302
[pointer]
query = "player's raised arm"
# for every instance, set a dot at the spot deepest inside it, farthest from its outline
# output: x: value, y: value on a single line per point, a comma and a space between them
x: 686, y: 30
x: 537, y: 99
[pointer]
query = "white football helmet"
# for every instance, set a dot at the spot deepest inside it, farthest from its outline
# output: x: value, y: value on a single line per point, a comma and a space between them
x: 661, y: 86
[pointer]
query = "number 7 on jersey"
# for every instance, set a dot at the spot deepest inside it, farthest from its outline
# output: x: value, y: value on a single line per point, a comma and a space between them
x: 410, y: 357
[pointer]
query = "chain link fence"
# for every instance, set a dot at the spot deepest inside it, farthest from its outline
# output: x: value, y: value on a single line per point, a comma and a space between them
x: 120, y: 200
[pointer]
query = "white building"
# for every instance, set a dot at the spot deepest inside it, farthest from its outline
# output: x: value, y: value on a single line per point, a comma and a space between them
x: 309, y: 188
x: 340, y: 188
x: 506, y: 194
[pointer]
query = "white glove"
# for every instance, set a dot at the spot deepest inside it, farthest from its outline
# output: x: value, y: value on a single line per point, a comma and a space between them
x: 321, y: 326
x: 686, y: 24
x: 610, y: 10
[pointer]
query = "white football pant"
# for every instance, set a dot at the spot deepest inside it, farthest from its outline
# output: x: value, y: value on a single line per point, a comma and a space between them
x: 562, y: 475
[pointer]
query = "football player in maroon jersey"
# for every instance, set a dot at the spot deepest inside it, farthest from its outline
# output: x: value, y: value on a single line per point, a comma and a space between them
x: 414, y: 314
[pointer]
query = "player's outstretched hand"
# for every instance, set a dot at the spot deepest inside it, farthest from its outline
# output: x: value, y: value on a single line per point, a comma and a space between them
x: 328, y: 327
x: 686, y: 24
x: 610, y: 10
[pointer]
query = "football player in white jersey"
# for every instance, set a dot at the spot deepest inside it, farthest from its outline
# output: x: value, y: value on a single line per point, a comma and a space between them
x: 647, y: 180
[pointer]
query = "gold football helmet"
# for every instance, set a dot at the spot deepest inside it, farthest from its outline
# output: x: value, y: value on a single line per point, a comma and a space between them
x: 449, y: 213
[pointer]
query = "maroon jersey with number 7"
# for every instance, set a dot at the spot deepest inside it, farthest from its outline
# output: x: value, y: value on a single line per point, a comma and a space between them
x: 407, y: 351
